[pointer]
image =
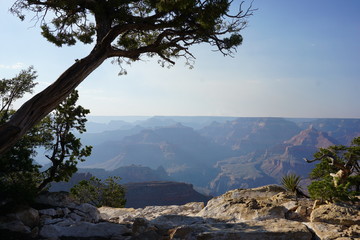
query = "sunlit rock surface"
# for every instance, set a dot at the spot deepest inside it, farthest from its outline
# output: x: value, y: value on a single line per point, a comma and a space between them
x: 266, y: 212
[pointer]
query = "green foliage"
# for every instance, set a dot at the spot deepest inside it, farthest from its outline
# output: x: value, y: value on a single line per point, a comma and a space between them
x: 325, y: 190
x: 336, y: 177
x: 291, y: 182
x: 20, y: 176
x: 66, y: 149
x: 108, y: 193
x: 163, y: 27
x: 322, y: 169
x: 15, y: 88
x: 20, y: 157
x: 19, y: 186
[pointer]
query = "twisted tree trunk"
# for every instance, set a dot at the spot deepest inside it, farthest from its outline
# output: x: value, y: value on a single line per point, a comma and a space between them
x: 35, y: 109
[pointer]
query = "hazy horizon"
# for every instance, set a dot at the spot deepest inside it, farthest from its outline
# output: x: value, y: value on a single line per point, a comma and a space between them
x: 129, y: 118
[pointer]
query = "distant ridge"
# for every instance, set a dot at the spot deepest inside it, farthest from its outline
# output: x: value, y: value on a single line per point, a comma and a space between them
x: 217, y: 154
x: 144, y: 194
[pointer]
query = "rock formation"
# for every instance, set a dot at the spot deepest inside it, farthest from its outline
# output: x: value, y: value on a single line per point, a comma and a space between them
x: 260, y: 213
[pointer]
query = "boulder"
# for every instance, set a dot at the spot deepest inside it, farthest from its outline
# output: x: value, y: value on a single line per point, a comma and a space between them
x: 185, y: 227
x: 23, y: 224
x: 271, y: 229
x: 336, y: 214
x: 124, y: 215
x: 188, y: 209
x: 88, y: 212
x: 325, y: 231
x: 29, y: 217
x: 171, y: 221
x: 116, y: 214
x: 48, y: 212
x: 14, y: 225
x: 104, y: 230
x: 260, y: 213
x: 264, y: 192
x: 245, y: 204
x: 143, y: 229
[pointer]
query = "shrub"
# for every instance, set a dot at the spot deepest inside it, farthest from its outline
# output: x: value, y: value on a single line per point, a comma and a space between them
x: 336, y: 176
x: 323, y: 190
x: 21, y: 178
x: 291, y: 182
x: 94, y: 191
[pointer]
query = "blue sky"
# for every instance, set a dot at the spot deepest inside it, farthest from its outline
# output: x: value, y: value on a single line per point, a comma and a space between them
x: 298, y: 59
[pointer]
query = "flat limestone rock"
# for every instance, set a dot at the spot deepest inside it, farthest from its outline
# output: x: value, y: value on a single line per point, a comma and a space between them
x: 326, y: 231
x: 336, y: 214
x: 245, y: 204
x: 125, y: 215
x: 274, y: 229
x: 83, y: 230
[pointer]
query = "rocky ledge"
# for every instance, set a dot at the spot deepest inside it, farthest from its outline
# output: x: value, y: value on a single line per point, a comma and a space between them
x: 260, y: 213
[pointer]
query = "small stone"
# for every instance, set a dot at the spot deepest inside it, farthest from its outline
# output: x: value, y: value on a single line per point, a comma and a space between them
x: 139, y: 226
x: 290, y: 205
x: 75, y: 217
x: 302, y: 211
x: 252, y: 204
x: 66, y: 211
x: 336, y: 214
x: 29, y: 216
x: 50, y: 212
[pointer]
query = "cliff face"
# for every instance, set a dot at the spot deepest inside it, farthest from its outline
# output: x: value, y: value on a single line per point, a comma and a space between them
x: 251, y: 134
x: 267, y: 167
x: 313, y: 138
x: 343, y: 130
x: 241, y: 152
x: 139, y: 195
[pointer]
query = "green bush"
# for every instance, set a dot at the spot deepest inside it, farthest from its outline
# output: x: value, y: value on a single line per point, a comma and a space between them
x: 323, y: 190
x: 19, y: 187
x: 20, y: 177
x: 336, y: 176
x: 94, y: 191
x: 326, y: 191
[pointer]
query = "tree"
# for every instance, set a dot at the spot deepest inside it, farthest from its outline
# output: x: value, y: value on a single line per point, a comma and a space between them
x: 20, y: 177
x: 97, y: 193
x: 126, y: 31
x: 15, y: 88
x: 337, y: 176
x: 66, y: 149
